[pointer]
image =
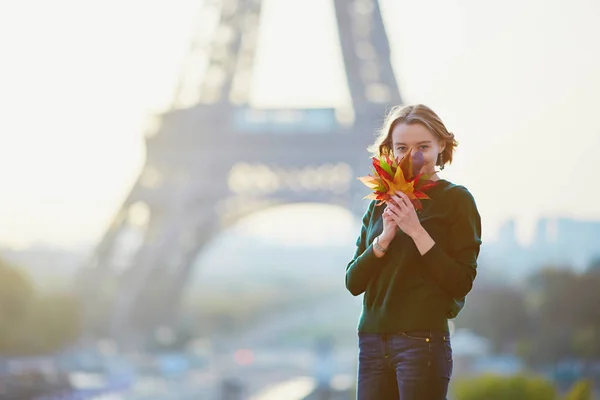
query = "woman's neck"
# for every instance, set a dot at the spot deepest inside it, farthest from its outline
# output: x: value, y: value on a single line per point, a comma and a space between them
x: 434, y: 176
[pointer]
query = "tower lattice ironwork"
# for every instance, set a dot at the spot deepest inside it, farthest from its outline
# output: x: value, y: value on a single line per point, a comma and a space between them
x: 213, y: 159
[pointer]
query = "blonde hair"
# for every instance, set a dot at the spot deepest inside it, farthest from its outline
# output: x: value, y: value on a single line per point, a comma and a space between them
x: 413, y: 114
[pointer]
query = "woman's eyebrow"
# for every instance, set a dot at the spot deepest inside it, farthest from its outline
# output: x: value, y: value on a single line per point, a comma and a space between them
x: 422, y: 142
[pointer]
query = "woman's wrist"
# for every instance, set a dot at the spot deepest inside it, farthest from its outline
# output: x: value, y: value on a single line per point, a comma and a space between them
x: 419, y: 233
x: 383, y: 241
x: 378, y: 249
x: 423, y: 240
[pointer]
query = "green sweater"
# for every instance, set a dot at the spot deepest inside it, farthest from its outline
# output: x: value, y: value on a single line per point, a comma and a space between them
x: 404, y: 290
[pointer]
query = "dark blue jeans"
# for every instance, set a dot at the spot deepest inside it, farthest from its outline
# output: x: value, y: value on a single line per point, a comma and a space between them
x: 415, y: 365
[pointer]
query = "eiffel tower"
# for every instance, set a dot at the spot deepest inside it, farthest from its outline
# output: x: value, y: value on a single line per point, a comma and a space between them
x: 216, y: 160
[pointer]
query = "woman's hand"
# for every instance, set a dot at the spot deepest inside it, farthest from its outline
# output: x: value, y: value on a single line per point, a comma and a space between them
x: 404, y: 215
x: 387, y: 235
x: 389, y: 227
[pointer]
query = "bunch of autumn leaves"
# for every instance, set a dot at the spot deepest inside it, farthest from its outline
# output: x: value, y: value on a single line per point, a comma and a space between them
x: 389, y: 176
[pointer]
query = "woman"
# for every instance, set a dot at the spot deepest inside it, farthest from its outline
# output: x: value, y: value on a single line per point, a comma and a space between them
x: 414, y: 269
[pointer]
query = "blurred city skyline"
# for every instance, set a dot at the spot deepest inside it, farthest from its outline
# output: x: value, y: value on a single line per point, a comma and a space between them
x: 80, y: 81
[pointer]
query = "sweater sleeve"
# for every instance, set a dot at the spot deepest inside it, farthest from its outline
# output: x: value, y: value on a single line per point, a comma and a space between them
x: 455, y: 268
x: 365, y: 264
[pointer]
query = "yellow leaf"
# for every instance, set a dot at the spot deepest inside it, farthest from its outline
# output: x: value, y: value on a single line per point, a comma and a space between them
x: 369, y: 181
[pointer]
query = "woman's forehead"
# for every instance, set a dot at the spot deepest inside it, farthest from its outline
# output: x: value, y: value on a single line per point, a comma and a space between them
x: 411, y: 134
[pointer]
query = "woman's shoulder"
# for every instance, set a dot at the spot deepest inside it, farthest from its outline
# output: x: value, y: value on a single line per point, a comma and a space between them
x: 456, y: 189
x: 371, y: 209
x: 456, y: 193
x: 376, y: 207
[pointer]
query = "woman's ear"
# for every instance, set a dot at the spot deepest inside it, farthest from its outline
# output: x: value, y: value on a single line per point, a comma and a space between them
x: 442, y: 144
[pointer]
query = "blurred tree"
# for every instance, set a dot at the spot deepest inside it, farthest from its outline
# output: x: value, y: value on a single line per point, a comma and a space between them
x: 594, y: 265
x: 585, y: 304
x: 54, y: 322
x: 567, y: 317
x: 497, y: 313
x: 16, y: 292
x: 582, y: 390
x: 551, y: 290
x: 490, y: 387
x: 16, y: 296
x: 30, y: 324
x: 554, y: 317
x: 51, y: 324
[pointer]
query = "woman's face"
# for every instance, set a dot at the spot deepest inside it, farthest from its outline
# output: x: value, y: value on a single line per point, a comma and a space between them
x: 419, y: 138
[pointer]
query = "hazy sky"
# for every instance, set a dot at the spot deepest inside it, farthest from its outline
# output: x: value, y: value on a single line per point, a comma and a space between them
x: 517, y: 82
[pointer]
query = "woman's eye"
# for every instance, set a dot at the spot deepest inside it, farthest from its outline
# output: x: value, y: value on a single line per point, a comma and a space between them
x: 401, y: 148
x: 424, y: 147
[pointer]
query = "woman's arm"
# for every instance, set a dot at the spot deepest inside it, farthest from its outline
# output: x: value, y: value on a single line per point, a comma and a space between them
x: 454, y: 270
x: 367, y: 261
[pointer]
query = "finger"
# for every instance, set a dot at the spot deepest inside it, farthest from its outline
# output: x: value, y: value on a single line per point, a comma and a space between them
x: 399, y: 208
x: 401, y: 195
x: 401, y: 204
x: 396, y: 213
x: 394, y: 208
x: 396, y: 219
x: 407, y: 205
x: 397, y: 199
x: 404, y: 197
